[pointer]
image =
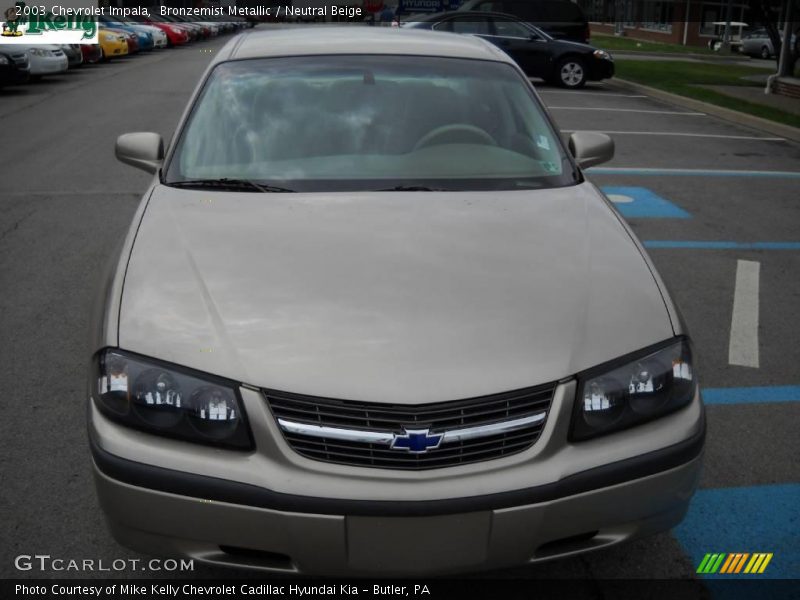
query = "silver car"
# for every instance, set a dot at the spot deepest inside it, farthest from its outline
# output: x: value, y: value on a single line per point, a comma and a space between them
x: 370, y: 318
x: 757, y: 43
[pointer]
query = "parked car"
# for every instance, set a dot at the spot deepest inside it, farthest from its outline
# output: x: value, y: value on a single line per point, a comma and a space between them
x: 112, y: 43
x: 74, y: 54
x: 561, y: 62
x: 15, y: 67
x: 447, y: 353
x: 194, y: 31
x: 92, y: 53
x: 176, y: 36
x: 131, y: 39
x: 46, y: 59
x: 560, y: 19
x: 159, y: 36
x: 144, y: 39
x: 758, y: 43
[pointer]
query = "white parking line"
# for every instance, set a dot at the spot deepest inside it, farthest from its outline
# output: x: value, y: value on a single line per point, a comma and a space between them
x: 644, y: 171
x: 743, y: 347
x: 679, y: 134
x: 72, y: 193
x: 630, y: 110
x: 592, y: 94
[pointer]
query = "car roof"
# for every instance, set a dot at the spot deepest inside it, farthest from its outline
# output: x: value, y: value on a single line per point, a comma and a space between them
x: 309, y: 41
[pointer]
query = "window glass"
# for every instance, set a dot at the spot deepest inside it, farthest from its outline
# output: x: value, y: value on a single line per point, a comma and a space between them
x: 511, y: 29
x: 470, y: 25
x: 370, y: 122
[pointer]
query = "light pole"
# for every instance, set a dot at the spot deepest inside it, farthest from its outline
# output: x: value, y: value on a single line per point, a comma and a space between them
x: 726, y: 36
x: 619, y: 10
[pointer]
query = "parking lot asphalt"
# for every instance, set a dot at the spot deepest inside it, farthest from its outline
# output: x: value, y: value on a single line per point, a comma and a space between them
x: 707, y: 197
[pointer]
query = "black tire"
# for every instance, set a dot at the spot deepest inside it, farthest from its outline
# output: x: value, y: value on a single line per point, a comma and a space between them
x: 765, y: 52
x: 570, y: 72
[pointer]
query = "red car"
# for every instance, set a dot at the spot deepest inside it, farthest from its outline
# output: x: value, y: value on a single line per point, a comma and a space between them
x: 133, y: 41
x: 176, y: 35
x: 91, y: 53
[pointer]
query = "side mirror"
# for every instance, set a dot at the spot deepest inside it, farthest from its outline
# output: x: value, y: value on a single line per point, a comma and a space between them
x: 591, y: 148
x: 141, y: 150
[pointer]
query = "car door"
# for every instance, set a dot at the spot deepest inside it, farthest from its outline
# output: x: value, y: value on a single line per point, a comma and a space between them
x: 530, y: 50
x: 467, y: 24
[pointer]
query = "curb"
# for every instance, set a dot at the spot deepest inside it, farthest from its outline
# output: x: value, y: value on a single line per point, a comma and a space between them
x: 678, y: 56
x: 726, y: 114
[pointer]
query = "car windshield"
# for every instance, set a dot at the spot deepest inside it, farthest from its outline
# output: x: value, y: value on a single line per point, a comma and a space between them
x: 339, y: 123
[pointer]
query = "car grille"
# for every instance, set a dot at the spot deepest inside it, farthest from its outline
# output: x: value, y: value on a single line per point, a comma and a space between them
x: 487, y: 413
x: 20, y: 59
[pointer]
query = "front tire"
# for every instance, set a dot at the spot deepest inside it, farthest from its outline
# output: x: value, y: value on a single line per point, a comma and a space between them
x: 571, y: 73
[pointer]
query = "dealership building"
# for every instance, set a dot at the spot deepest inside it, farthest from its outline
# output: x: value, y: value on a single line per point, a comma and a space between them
x: 686, y: 22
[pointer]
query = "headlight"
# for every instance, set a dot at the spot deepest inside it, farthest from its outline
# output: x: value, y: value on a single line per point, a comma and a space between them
x: 170, y: 400
x: 657, y: 382
x: 39, y: 52
x: 602, y: 55
x: 3, y: 60
x: 174, y: 30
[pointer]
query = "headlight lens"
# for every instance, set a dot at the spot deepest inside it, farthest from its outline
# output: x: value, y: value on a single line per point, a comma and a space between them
x: 657, y: 382
x: 3, y: 60
x: 39, y: 52
x: 602, y: 55
x: 171, y: 401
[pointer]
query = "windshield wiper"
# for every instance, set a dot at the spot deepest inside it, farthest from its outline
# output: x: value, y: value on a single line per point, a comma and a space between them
x: 413, y: 188
x: 231, y: 184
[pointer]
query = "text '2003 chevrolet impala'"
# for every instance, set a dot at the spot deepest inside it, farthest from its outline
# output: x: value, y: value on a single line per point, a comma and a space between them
x: 370, y: 319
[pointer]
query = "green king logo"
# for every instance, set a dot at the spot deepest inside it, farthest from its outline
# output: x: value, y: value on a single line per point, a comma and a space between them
x: 39, y: 23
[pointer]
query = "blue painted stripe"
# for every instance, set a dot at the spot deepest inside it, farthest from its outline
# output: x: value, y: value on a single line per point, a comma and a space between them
x: 745, y: 519
x: 742, y: 395
x: 639, y: 202
x: 693, y: 172
x: 721, y: 245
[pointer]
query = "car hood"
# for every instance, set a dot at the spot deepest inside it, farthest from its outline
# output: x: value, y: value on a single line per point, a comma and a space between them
x: 567, y: 45
x: 402, y: 297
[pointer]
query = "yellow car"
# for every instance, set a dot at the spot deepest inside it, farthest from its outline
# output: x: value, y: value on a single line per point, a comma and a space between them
x: 112, y: 43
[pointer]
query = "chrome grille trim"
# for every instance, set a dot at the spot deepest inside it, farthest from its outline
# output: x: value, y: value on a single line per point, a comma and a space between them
x: 481, y: 431
x: 452, y: 433
x: 386, y: 438
x: 335, y: 433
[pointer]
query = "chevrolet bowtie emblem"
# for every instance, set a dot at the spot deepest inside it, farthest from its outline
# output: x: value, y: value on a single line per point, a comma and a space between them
x: 417, y: 441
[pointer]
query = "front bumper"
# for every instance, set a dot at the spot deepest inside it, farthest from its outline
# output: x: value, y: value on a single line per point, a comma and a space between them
x: 601, y: 69
x: 47, y: 65
x: 115, y: 48
x: 353, y: 523
x: 227, y: 534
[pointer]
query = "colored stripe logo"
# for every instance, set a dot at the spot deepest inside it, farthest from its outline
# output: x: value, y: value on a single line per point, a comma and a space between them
x: 734, y: 563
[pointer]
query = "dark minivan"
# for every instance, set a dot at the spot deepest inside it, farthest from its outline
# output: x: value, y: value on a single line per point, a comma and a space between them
x: 560, y: 18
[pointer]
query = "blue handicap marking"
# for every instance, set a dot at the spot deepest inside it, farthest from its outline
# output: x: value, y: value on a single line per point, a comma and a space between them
x: 635, y: 202
x: 763, y: 518
x: 747, y: 395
